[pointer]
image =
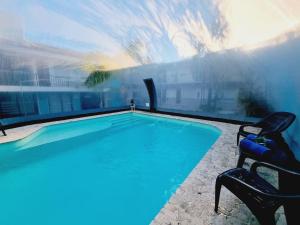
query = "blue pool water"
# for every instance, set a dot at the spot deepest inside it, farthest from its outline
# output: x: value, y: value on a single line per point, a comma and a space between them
x: 115, y: 170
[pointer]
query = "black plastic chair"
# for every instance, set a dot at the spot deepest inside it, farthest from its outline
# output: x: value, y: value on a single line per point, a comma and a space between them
x: 2, y: 129
x: 260, y: 197
x: 272, y: 124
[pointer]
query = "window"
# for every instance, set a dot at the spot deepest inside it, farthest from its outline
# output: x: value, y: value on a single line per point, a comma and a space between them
x: 178, y: 96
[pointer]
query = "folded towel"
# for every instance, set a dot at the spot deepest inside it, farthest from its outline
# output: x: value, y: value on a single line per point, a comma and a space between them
x: 262, y: 140
x: 254, y: 148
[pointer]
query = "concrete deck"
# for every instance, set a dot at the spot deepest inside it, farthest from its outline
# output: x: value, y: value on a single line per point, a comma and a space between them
x: 193, y: 202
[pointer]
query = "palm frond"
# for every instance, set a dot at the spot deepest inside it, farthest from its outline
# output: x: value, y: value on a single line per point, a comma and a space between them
x: 97, y: 77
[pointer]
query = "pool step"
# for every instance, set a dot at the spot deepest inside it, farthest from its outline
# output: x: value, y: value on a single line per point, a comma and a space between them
x: 125, y: 124
x: 113, y: 125
x: 126, y: 121
x: 120, y: 118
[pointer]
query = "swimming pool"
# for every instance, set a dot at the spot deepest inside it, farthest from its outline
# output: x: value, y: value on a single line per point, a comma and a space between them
x: 111, y: 170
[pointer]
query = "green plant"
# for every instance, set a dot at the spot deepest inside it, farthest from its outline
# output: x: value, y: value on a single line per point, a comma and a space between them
x: 97, y: 77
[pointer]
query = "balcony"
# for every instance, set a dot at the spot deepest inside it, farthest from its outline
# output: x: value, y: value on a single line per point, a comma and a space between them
x: 54, y: 84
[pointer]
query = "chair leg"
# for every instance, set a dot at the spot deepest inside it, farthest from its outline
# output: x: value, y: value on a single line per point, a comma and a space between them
x: 237, y: 139
x: 3, y: 131
x: 266, y: 218
x: 291, y: 214
x: 241, y: 160
x: 291, y: 209
x: 217, y: 193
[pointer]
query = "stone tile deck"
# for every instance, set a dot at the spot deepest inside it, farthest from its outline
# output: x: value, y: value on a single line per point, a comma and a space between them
x: 193, y: 202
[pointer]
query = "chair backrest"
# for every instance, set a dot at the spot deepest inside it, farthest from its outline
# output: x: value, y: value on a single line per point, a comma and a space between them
x: 277, y: 122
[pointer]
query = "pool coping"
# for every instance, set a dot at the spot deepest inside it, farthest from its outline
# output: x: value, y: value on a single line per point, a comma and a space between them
x: 193, y: 201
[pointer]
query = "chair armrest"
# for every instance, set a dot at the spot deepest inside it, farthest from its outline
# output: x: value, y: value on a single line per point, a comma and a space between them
x: 248, y: 186
x: 255, y: 165
x: 247, y: 125
x: 279, y: 196
x: 245, y: 133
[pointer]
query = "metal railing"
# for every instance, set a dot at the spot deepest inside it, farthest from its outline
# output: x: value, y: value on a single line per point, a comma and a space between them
x: 54, y: 82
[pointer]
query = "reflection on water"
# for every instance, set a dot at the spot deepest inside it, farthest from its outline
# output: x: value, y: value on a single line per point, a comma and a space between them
x: 210, y: 58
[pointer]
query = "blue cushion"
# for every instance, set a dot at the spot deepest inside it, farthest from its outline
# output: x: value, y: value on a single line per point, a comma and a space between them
x: 251, y: 136
x: 254, y: 148
x: 270, y: 151
x: 268, y: 142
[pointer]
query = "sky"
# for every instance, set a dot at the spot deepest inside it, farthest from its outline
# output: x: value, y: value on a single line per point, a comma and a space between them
x: 119, y: 33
